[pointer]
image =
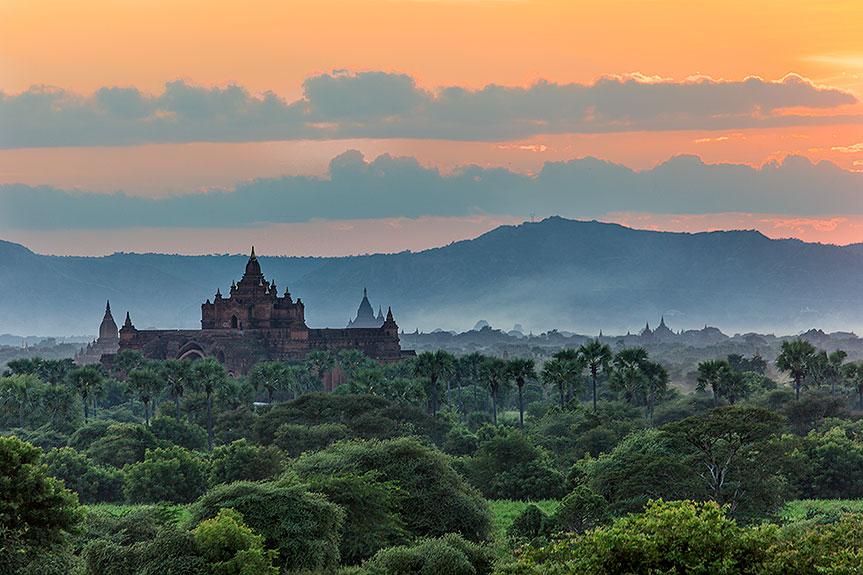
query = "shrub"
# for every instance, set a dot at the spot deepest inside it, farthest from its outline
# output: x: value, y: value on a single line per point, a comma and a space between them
x: 581, y: 511
x: 507, y: 465
x: 448, y: 555
x: 173, y: 475
x: 459, y: 441
x: 124, y: 443
x: 45, y: 437
x: 87, y: 435
x: 531, y: 523
x: 437, y: 500
x: 183, y: 434
x: 303, y: 527
x: 231, y: 548
x: 92, y: 483
x: 240, y: 461
x: 371, y: 506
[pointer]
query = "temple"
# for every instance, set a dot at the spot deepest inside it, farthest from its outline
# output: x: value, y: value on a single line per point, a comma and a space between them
x: 107, y: 344
x: 253, y: 323
x: 366, y: 315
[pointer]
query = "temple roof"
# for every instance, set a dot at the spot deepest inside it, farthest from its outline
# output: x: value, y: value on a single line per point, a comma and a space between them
x: 365, y: 314
x: 108, y: 329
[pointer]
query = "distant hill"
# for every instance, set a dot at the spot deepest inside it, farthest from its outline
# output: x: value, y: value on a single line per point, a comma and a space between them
x: 557, y: 273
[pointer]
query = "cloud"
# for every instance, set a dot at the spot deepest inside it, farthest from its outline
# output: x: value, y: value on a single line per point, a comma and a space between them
x: 399, y: 187
x: 347, y: 104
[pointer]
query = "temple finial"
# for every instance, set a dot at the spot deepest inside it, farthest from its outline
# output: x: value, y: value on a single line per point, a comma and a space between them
x: 253, y: 256
x: 107, y: 306
x: 365, y: 292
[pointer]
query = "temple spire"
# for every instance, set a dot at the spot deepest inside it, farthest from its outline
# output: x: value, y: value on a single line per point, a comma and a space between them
x: 253, y: 256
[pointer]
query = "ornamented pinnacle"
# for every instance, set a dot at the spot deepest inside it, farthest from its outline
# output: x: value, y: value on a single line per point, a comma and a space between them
x: 253, y: 256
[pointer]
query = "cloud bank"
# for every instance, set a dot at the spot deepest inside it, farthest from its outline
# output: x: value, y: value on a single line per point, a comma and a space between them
x: 386, y: 105
x: 399, y: 187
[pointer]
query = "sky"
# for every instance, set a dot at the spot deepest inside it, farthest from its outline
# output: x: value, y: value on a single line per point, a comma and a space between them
x: 338, y: 127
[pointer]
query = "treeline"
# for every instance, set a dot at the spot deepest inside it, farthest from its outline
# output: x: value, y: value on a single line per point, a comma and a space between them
x: 391, y: 472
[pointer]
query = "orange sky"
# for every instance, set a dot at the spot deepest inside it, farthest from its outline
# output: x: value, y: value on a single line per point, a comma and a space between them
x: 274, y: 45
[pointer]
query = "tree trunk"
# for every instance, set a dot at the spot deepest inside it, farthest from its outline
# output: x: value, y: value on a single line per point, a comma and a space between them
x: 434, y: 410
x: 209, y: 421
x: 460, y: 404
x: 561, y: 397
x: 797, y: 385
x: 21, y: 419
x: 177, y: 402
x: 714, y: 397
x: 520, y: 407
x: 270, y: 395
x: 86, y: 411
x: 593, y: 373
x: 147, y: 413
x: 448, y: 392
x: 494, y: 405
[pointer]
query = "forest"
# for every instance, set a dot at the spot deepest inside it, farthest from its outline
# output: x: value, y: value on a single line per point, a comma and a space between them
x: 587, y: 461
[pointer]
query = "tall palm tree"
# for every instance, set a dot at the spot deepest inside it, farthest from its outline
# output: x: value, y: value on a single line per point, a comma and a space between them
x: 271, y: 376
x: 796, y: 358
x: 596, y: 356
x: 58, y: 401
x: 86, y: 380
x: 435, y: 366
x: 521, y: 370
x: 177, y: 374
x: 320, y: 362
x: 493, y: 372
x: 713, y: 373
x: 145, y: 383
x: 350, y: 360
x: 469, y: 366
x: 21, y: 394
x: 558, y: 373
x: 835, y: 360
x: 656, y: 377
x: 629, y: 371
x: 207, y: 375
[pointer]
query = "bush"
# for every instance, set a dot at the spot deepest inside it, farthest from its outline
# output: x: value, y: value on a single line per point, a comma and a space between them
x: 295, y: 440
x: 123, y: 444
x: 303, y: 527
x: 459, y: 441
x: 371, y: 506
x: 240, y: 461
x: 169, y: 551
x: 183, y: 434
x: 507, y: 465
x: 174, y: 475
x: 581, y: 511
x: 45, y: 437
x: 531, y: 523
x: 231, y: 548
x: 448, y: 555
x: 92, y: 483
x: 229, y: 426
x: 437, y: 500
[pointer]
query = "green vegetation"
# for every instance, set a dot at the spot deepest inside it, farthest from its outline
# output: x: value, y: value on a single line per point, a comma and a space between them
x: 438, y: 464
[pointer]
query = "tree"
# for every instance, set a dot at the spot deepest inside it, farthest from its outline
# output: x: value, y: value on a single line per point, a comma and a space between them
x: 656, y: 378
x: 350, y: 360
x: 447, y: 555
x: 174, y: 475
x: 435, y: 366
x: 713, y: 373
x: 582, y: 510
x: 21, y: 395
x: 240, y: 461
x: 177, y: 375
x: 58, y: 402
x: 271, y: 377
x: 494, y: 373
x: 853, y: 374
x: 86, y: 380
x: 731, y: 449
x: 320, y: 362
x: 629, y: 374
x: 521, y: 370
x: 469, y: 368
x: 796, y: 358
x: 207, y: 375
x: 596, y: 356
x: 232, y: 548
x: 93, y: 483
x: 37, y: 514
x: 560, y: 373
x: 834, y: 361
x: 145, y: 383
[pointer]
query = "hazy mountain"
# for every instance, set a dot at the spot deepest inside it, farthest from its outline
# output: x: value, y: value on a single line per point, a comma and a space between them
x: 570, y: 275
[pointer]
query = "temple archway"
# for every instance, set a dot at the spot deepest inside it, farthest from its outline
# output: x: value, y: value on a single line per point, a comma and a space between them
x: 191, y: 351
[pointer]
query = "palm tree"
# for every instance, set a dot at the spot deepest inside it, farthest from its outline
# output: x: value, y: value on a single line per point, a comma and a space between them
x: 712, y: 374
x: 320, y: 362
x: 435, y: 366
x: 207, y: 375
x: 350, y: 360
x: 21, y: 393
x: 834, y: 361
x: 493, y: 372
x: 596, y: 356
x: 468, y: 367
x: 58, y: 401
x: 521, y: 370
x: 629, y: 371
x: 272, y: 377
x: 853, y: 373
x: 86, y: 381
x: 53, y: 371
x: 796, y: 358
x: 657, y: 381
x: 145, y: 383
x: 177, y: 374
x: 557, y: 373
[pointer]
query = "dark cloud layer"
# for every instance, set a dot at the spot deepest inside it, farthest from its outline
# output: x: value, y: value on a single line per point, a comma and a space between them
x: 401, y: 187
x: 384, y: 105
